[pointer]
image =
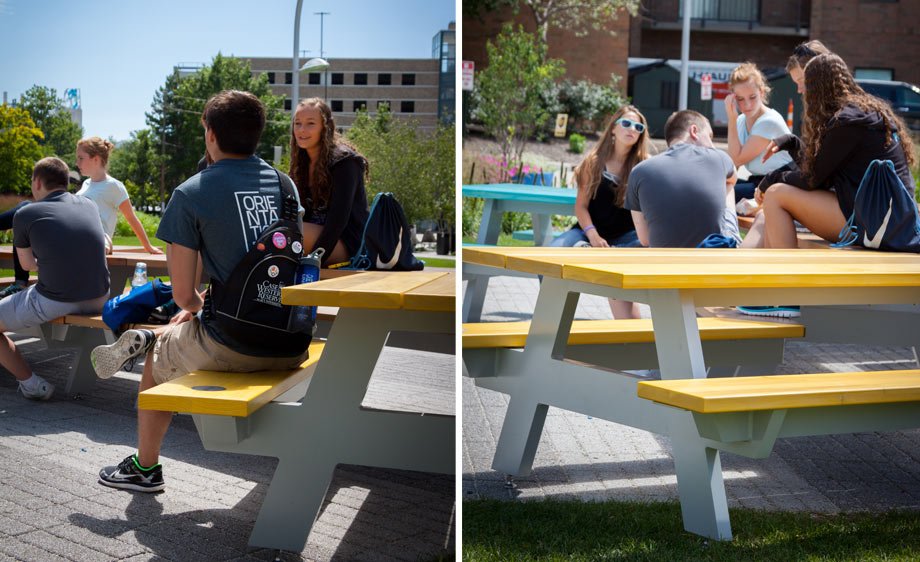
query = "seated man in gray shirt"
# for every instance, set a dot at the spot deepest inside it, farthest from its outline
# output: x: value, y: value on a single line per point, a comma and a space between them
x: 686, y: 193
x: 61, y: 231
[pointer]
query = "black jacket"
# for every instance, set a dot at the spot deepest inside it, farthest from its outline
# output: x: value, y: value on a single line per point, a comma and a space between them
x: 852, y: 140
x: 346, y: 212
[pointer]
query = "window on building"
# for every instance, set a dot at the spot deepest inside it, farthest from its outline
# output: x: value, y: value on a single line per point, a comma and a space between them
x: 383, y: 103
x: 287, y: 104
x: 407, y: 107
x: 315, y: 78
x: 288, y: 78
x: 338, y: 78
x: 358, y: 105
x: 408, y: 79
x: 360, y: 79
x: 384, y: 79
x: 271, y: 77
x: 336, y: 106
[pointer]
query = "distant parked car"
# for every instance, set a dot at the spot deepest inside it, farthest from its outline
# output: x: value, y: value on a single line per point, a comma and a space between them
x: 903, y: 97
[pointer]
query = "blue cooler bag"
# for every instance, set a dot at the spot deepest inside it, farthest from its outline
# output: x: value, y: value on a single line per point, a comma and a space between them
x: 137, y: 305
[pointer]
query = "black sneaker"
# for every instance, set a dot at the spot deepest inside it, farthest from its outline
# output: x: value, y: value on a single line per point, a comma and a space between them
x: 130, y: 476
x: 109, y: 359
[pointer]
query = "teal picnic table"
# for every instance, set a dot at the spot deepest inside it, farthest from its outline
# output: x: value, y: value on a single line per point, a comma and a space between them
x: 500, y: 198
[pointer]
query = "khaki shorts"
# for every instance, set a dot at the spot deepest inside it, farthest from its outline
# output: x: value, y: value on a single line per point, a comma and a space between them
x: 187, y: 347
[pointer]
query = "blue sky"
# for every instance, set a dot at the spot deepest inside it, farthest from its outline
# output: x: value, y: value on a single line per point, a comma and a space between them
x: 118, y: 52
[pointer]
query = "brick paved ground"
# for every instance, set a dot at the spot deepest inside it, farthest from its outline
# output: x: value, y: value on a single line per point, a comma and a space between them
x: 51, y: 507
x: 591, y: 459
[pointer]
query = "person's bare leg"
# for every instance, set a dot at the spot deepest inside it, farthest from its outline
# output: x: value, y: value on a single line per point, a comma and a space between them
x: 11, y: 359
x: 817, y: 210
x: 151, y: 424
x: 755, y: 235
x: 311, y: 234
x: 624, y: 309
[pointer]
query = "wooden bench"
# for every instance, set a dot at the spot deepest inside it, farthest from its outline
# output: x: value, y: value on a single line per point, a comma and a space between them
x: 747, y: 415
x: 231, y: 394
x: 630, y: 344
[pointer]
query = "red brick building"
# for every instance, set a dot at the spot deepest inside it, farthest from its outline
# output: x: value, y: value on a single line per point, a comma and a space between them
x: 878, y: 38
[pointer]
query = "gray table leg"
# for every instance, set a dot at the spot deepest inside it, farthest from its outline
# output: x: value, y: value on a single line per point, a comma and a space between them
x: 699, y: 469
x: 81, y: 377
x: 523, y: 425
x: 542, y: 229
x: 491, y: 224
x: 331, y: 427
x: 474, y: 297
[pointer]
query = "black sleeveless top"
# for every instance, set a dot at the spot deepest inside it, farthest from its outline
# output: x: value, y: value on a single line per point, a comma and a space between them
x: 610, y: 220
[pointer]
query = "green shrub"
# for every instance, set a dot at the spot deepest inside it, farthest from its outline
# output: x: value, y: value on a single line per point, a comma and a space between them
x: 149, y: 222
x: 588, y: 104
x: 576, y: 143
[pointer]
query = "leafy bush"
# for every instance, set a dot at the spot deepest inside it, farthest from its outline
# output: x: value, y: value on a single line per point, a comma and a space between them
x: 417, y: 166
x: 576, y: 143
x: 149, y: 222
x: 588, y: 104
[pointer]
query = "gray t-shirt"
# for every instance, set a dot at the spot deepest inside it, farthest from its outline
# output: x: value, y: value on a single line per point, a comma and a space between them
x: 681, y: 195
x: 221, y: 212
x: 65, y: 234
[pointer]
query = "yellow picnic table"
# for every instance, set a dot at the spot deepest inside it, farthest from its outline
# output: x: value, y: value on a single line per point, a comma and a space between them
x: 329, y: 426
x: 673, y: 282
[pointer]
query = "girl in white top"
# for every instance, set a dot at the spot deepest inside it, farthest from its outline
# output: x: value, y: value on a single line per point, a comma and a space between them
x: 108, y: 193
x: 751, y: 127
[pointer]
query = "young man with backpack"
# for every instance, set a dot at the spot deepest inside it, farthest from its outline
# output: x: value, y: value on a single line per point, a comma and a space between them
x: 228, y: 214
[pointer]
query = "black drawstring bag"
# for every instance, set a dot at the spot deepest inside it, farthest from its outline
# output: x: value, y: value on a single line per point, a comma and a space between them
x: 387, y: 241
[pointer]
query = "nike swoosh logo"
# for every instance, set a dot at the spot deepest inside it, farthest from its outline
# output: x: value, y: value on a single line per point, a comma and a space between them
x: 876, y: 240
x: 395, y: 258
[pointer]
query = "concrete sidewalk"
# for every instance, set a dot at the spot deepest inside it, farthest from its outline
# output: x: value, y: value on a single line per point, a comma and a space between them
x: 590, y: 459
x: 52, y: 508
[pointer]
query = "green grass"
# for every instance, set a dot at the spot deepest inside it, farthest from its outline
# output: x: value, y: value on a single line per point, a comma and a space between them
x: 574, y: 531
x: 439, y: 262
x: 503, y: 240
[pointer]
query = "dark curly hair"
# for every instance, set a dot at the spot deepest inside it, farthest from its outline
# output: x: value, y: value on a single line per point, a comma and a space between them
x: 829, y: 87
x: 319, y: 186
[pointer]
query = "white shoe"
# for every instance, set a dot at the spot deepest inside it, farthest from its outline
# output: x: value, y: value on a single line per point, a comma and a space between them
x: 42, y: 391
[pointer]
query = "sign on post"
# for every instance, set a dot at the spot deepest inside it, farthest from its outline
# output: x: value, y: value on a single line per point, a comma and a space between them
x: 562, y: 121
x: 706, y: 87
x: 467, y: 76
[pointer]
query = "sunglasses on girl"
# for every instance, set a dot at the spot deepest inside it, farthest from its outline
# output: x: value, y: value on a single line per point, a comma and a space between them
x: 627, y: 123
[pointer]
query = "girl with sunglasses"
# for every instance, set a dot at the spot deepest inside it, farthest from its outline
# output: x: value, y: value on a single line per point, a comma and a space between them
x: 601, y: 181
x: 751, y: 127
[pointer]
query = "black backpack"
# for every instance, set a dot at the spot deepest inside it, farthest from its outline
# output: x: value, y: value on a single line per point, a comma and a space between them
x: 387, y: 241
x: 247, y: 307
x: 884, y: 213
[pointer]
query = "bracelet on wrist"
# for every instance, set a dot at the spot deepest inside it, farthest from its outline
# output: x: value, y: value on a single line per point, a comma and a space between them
x: 588, y: 228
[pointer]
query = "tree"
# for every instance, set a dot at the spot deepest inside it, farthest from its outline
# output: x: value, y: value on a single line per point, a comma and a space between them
x: 50, y: 114
x: 19, y: 149
x: 508, y: 92
x: 135, y: 162
x: 175, y: 118
x: 416, y: 166
x: 578, y: 16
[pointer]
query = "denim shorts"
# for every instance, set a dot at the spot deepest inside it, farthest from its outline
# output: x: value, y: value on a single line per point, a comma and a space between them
x: 575, y: 235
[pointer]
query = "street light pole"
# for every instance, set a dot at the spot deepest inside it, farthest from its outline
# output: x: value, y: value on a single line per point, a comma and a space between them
x: 322, y: 53
x: 295, y: 68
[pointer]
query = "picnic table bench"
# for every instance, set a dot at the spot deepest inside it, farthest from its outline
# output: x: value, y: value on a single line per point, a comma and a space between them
x: 317, y: 420
x: 746, y: 416
x: 674, y: 283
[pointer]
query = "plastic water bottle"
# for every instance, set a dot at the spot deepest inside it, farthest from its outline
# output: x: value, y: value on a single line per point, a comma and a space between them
x: 303, y: 317
x: 140, y: 275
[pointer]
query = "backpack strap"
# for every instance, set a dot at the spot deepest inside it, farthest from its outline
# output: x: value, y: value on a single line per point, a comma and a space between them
x: 290, y: 208
x: 849, y: 234
x: 360, y: 260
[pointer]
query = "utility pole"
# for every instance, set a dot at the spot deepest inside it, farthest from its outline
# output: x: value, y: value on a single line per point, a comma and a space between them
x: 322, y: 54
